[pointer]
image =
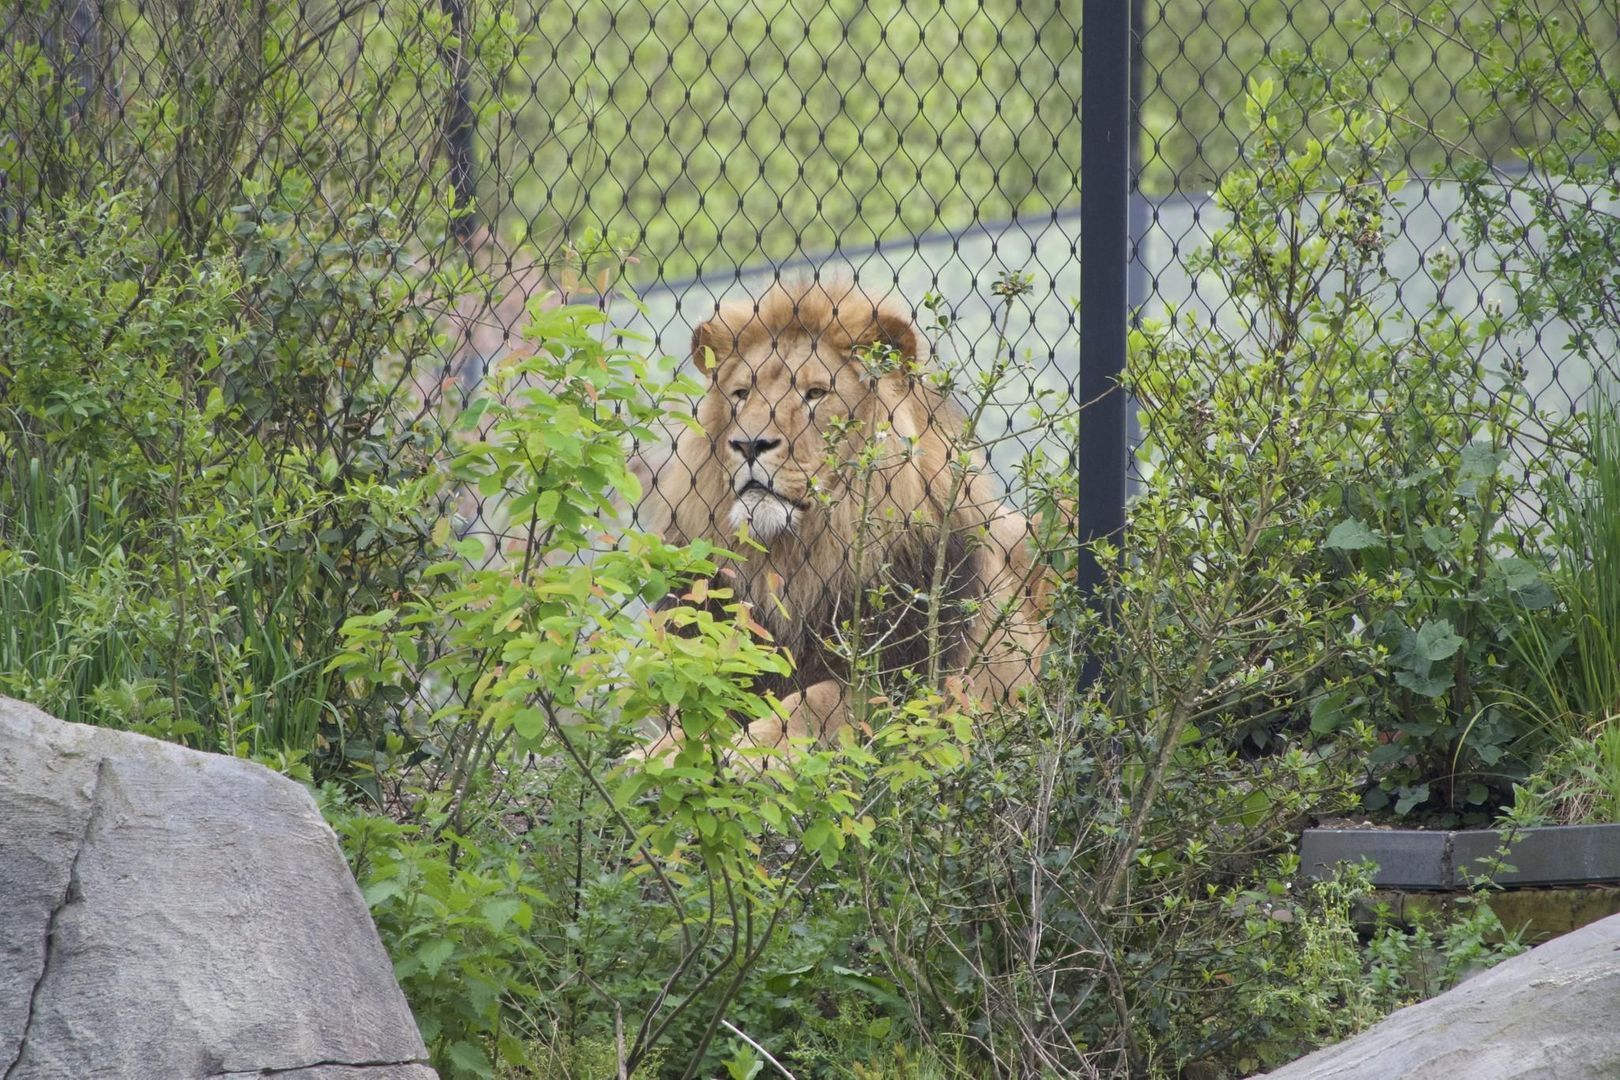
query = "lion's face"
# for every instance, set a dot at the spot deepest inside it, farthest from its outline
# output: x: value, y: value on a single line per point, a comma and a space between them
x: 778, y: 408
x: 791, y: 391
x: 796, y: 393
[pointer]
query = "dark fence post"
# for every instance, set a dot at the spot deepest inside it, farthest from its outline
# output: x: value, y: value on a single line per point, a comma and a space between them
x: 1139, y: 283
x: 458, y: 122
x: 1106, y: 136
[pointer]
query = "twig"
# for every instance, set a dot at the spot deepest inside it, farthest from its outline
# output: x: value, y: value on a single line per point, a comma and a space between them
x: 735, y: 1030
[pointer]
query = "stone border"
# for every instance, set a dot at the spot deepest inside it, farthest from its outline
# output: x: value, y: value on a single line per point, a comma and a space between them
x: 1418, y: 859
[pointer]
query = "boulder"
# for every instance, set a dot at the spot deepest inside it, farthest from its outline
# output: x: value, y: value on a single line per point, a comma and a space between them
x: 169, y: 914
x: 1547, y: 1014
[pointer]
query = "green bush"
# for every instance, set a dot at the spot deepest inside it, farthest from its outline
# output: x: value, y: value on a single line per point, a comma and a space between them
x: 679, y: 877
x: 223, y: 369
x: 1390, y: 431
x: 172, y: 564
x: 1314, y: 608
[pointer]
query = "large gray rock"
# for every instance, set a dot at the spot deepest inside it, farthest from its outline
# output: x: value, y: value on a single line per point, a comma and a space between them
x: 1548, y: 1014
x: 168, y: 914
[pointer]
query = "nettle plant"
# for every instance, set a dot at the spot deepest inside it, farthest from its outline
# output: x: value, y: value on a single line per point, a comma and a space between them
x: 1398, y: 428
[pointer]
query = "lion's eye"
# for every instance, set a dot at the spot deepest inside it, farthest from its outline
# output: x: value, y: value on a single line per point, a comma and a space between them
x: 815, y: 393
x: 740, y: 395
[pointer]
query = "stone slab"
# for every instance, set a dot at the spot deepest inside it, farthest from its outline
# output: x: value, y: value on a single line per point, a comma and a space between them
x: 169, y: 914
x: 1422, y: 859
x: 1547, y: 1014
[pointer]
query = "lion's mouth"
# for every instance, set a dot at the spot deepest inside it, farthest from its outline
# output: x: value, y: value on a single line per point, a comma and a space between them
x: 756, y: 489
x: 767, y: 512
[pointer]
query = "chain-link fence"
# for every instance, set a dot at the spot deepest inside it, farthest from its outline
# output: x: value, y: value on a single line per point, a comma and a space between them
x: 394, y: 188
x: 1497, y: 117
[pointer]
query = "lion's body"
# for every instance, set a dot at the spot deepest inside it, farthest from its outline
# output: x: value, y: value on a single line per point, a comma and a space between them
x: 842, y: 478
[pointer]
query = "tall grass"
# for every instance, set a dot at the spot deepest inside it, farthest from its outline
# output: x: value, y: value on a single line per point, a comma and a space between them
x: 63, y: 588
x: 93, y: 631
x: 1588, y: 524
x: 1574, y: 661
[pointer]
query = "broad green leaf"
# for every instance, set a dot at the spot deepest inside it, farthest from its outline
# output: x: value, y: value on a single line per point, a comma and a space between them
x: 497, y: 913
x: 1479, y: 463
x: 1351, y: 535
x: 1409, y: 797
x: 1328, y: 712
x: 378, y: 891
x: 529, y: 723
x: 434, y: 954
x: 1436, y: 641
x: 471, y: 1057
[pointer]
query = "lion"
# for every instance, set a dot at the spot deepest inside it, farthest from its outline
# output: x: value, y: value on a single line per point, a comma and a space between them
x: 823, y: 454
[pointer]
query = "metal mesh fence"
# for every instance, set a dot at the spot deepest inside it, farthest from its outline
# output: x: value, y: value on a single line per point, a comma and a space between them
x: 1496, y: 114
x: 400, y: 183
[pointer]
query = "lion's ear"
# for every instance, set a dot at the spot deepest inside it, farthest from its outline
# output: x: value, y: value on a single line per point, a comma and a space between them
x: 896, y: 330
x: 706, y: 347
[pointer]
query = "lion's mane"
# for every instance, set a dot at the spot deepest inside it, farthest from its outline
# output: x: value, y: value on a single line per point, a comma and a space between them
x: 871, y: 532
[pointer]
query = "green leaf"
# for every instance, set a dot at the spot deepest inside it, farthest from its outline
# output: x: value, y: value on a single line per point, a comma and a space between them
x: 744, y: 1064
x: 545, y: 507
x: 471, y: 1057
x: 434, y: 954
x: 1438, y: 539
x: 378, y: 891
x: 817, y: 836
x: 1410, y: 797
x: 1327, y: 712
x: 1519, y: 580
x: 1479, y: 463
x: 1351, y: 535
x: 1436, y: 641
x: 343, y: 659
x: 529, y: 723
x: 497, y: 913
x: 1424, y: 684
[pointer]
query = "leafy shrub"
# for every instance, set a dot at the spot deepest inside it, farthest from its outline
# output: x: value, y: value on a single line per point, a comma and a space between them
x: 1314, y: 607
x: 682, y: 874
x: 1551, y: 229
x: 1576, y: 783
x: 1135, y: 834
x: 172, y: 564
x: 1316, y: 975
x: 1528, y: 676
x: 218, y: 398
x: 1397, y: 432
x: 106, y: 421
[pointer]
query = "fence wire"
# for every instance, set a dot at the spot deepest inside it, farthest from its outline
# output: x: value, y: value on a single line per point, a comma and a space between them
x: 402, y: 182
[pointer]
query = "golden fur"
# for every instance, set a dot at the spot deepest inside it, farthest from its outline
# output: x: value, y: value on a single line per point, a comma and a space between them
x: 795, y: 384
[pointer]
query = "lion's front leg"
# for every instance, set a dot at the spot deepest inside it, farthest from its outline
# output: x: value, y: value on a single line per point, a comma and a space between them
x: 815, y: 713
x: 660, y: 748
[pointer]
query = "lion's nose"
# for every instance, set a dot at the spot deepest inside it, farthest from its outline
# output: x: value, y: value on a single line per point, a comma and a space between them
x: 751, y: 449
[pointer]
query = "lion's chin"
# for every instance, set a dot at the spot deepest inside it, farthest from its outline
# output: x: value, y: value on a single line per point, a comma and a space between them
x: 765, y: 515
